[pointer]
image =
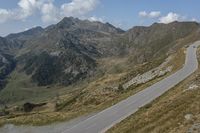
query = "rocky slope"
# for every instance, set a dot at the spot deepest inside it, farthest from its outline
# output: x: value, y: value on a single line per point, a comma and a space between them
x: 78, y: 66
x: 7, y: 62
x: 64, y: 53
x: 148, y: 42
x: 68, y: 52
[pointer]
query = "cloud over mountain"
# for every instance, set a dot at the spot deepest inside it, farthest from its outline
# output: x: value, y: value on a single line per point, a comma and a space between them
x: 49, y: 12
x: 170, y: 17
x: 152, y: 14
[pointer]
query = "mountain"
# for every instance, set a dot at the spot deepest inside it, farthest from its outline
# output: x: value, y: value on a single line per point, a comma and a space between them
x: 71, y: 45
x: 145, y: 43
x: 69, y: 51
x: 85, y: 36
x: 7, y: 62
x: 26, y: 35
x: 71, y: 24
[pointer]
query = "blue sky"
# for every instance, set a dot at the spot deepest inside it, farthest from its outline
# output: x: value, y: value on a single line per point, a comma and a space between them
x: 19, y: 15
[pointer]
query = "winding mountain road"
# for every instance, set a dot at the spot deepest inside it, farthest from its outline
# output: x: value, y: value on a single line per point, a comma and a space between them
x: 104, y: 120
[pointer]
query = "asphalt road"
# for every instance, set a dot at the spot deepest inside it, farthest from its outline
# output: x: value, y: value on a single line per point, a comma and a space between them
x: 104, y: 120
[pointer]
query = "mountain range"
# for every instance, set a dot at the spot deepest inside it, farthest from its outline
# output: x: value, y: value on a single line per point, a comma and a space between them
x: 69, y: 51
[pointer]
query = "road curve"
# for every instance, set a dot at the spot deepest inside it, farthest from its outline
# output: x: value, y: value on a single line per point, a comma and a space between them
x: 105, y: 119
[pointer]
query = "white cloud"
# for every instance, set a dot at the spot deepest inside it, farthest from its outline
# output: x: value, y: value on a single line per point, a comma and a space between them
x: 94, y: 18
x: 143, y: 14
x: 78, y: 7
x: 49, y: 12
x: 25, y: 9
x: 170, y: 17
x: 194, y: 19
x: 152, y: 14
x: 4, y: 15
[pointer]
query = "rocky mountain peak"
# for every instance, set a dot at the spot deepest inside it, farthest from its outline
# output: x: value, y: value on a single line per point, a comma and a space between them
x: 68, y: 22
x: 25, y: 35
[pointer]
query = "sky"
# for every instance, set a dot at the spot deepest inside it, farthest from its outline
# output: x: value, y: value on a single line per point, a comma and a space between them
x: 20, y: 15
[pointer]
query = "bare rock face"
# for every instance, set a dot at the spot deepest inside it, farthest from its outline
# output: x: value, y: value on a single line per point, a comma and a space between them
x: 194, y: 129
x: 188, y: 117
x: 145, y: 77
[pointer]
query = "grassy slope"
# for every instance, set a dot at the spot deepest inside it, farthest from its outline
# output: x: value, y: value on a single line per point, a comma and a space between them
x: 95, y: 97
x: 166, y: 114
x: 96, y: 94
x: 20, y: 89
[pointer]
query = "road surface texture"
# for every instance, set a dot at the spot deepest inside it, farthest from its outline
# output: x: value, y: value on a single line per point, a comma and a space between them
x: 102, y: 121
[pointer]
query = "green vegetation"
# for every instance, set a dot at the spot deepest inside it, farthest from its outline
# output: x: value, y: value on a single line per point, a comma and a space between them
x: 78, y: 67
x: 21, y: 89
x: 93, y: 98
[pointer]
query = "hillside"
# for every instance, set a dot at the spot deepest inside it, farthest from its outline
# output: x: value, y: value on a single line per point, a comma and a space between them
x: 73, y: 49
x: 78, y: 64
x: 71, y: 44
x: 177, y: 111
x: 7, y: 61
x: 76, y: 45
x: 147, y: 42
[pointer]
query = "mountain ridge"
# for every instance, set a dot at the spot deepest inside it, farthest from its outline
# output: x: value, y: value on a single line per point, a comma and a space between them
x: 75, y: 46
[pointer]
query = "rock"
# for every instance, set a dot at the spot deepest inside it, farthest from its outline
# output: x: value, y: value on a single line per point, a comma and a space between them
x: 188, y: 117
x: 145, y: 77
x: 56, y: 53
x: 194, y: 129
x: 192, y: 87
x: 28, y: 107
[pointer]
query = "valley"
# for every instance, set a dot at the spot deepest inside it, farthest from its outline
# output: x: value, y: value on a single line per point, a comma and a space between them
x: 78, y: 67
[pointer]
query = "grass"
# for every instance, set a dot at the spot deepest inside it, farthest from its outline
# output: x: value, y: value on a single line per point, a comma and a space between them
x: 20, y: 89
x: 96, y: 96
x: 166, y: 113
